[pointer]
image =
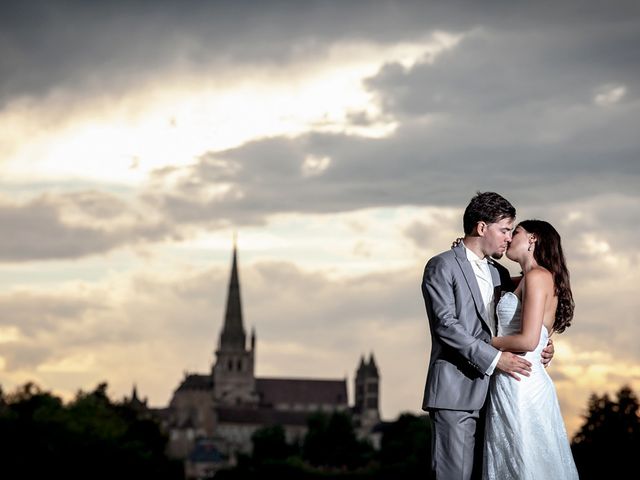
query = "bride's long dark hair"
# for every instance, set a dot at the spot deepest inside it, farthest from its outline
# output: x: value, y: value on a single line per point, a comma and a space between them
x: 548, y: 253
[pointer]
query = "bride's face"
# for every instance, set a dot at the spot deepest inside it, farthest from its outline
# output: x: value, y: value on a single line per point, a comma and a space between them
x: 519, y: 244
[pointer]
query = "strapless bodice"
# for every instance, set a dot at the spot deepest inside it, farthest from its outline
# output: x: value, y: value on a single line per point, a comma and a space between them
x: 509, y: 311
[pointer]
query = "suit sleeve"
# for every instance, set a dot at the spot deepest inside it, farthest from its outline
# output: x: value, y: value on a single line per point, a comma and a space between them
x: 438, y: 291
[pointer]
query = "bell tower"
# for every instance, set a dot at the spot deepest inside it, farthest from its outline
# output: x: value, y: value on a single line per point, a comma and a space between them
x: 233, y: 372
x: 367, y: 392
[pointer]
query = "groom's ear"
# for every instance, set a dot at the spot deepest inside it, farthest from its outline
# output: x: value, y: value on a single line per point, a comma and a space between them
x: 481, y: 228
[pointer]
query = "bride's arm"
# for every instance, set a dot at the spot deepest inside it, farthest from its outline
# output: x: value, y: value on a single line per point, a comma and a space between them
x: 535, y: 296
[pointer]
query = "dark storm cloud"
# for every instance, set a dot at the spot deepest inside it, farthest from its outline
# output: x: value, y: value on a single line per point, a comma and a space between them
x: 414, y: 167
x: 120, y: 44
x: 511, y: 108
x: 73, y: 225
x: 526, y: 94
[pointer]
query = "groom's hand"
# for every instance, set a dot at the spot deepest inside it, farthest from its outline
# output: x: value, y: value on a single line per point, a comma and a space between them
x: 513, y: 365
x: 547, y: 354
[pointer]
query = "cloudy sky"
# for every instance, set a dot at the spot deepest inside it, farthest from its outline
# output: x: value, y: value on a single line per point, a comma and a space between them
x: 341, y: 141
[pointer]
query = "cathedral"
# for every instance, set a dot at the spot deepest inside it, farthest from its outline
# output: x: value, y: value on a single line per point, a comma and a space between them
x: 218, y: 411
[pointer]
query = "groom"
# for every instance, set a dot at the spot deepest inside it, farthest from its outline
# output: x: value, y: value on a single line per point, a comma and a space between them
x: 460, y: 289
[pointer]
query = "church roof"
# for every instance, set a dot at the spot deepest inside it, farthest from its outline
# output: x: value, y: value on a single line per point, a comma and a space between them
x: 196, y: 382
x: 261, y: 416
x: 274, y: 391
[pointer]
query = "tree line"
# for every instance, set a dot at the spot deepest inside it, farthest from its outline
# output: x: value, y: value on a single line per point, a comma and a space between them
x: 90, y: 437
x: 95, y: 437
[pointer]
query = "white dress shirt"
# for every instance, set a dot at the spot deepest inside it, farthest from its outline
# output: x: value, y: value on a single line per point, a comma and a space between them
x: 480, y: 267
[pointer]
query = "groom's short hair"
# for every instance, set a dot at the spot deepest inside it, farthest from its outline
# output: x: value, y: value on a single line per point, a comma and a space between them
x: 488, y: 207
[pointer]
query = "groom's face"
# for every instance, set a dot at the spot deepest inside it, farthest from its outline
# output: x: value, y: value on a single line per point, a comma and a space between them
x: 497, y: 237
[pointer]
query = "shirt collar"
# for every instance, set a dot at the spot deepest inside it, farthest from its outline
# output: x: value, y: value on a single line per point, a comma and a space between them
x: 472, y: 257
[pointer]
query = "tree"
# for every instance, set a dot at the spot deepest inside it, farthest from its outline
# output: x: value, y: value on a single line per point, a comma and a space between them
x: 405, y: 449
x: 606, y: 444
x: 331, y: 442
x: 270, y: 444
x: 91, y: 437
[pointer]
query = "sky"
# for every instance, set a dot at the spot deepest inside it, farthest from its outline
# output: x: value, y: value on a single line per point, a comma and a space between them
x: 340, y: 142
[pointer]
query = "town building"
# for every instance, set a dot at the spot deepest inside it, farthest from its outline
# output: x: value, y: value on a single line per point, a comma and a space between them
x: 211, y: 416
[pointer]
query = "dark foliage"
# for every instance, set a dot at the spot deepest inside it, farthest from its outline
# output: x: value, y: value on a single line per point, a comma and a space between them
x: 331, y: 450
x: 405, y: 450
x: 91, y: 437
x: 608, y: 441
x: 270, y: 445
x: 331, y: 443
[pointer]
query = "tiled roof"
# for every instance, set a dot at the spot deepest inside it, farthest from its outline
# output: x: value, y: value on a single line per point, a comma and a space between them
x: 196, y: 382
x: 274, y: 391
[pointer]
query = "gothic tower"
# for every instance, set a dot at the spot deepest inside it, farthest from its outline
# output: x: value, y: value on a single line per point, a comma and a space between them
x: 233, y: 372
x: 367, y: 392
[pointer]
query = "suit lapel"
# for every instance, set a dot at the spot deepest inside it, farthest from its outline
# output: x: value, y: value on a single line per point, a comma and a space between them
x: 470, y: 277
x: 497, y: 290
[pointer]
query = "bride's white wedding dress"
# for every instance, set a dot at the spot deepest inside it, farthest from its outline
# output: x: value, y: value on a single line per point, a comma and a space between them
x: 525, y: 437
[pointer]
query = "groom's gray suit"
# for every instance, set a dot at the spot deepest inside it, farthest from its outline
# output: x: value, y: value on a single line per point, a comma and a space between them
x: 461, y: 353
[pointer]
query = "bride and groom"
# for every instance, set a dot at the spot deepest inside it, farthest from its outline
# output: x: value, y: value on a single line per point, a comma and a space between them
x: 494, y: 409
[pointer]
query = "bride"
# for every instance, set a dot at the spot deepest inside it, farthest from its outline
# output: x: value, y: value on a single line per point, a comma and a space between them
x: 525, y: 436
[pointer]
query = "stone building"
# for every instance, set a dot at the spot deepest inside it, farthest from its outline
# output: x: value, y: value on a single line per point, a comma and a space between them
x: 217, y: 412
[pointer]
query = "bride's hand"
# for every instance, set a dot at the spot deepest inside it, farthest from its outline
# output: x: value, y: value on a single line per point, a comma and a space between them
x: 456, y: 242
x: 547, y: 354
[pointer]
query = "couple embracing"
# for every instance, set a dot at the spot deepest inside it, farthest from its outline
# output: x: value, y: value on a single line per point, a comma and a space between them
x: 494, y: 409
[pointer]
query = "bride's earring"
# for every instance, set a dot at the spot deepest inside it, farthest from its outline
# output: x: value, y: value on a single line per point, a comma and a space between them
x: 531, y: 242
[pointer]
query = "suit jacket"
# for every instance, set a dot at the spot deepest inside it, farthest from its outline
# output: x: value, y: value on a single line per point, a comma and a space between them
x: 461, y: 350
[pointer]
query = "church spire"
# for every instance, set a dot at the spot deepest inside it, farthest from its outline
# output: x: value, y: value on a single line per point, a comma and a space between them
x: 233, y: 335
x: 233, y: 377
x: 134, y: 394
x: 372, y: 368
